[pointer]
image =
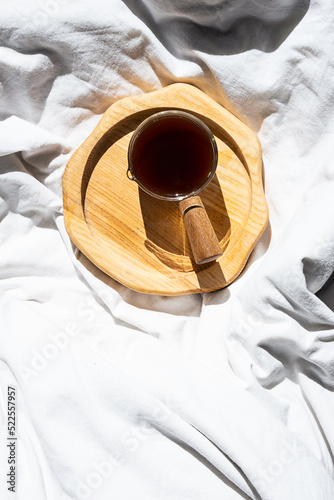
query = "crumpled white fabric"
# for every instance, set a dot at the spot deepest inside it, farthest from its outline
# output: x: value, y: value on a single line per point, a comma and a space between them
x: 227, y: 395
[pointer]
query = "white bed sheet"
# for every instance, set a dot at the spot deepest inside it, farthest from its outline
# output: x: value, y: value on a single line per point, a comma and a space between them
x: 226, y: 395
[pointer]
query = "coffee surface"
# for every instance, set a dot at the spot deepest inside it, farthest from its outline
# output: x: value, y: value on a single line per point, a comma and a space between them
x: 172, y: 157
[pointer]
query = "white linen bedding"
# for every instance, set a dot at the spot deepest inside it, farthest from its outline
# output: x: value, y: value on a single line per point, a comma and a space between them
x: 121, y: 395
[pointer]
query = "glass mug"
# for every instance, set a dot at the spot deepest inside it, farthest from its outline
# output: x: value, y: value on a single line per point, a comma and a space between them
x: 172, y: 156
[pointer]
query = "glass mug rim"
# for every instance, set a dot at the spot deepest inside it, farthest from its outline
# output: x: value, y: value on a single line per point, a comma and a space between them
x: 159, y: 116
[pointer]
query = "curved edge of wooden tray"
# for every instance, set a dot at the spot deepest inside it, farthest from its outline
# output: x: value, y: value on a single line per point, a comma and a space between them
x: 211, y: 277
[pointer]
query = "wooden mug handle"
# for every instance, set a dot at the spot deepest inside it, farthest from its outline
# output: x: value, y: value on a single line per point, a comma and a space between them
x: 201, y: 235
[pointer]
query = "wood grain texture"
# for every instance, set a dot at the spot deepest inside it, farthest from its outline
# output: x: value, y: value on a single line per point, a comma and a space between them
x: 140, y: 241
x: 202, y: 238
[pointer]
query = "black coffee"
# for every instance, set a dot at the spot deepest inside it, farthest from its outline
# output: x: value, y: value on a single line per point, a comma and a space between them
x: 172, y: 156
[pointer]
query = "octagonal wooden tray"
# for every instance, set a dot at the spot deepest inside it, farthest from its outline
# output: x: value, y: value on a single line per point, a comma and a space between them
x: 140, y: 241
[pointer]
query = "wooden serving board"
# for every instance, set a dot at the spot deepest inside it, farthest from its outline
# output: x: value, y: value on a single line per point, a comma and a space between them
x: 140, y: 241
